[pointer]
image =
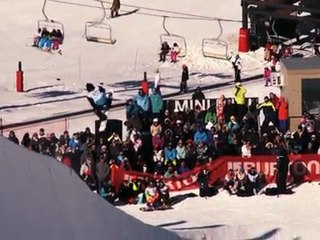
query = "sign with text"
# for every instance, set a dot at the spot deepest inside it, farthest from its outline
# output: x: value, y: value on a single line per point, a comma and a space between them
x: 182, y: 104
x: 306, y: 167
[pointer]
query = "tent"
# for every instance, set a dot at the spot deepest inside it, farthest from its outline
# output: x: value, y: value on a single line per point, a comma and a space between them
x: 43, y: 199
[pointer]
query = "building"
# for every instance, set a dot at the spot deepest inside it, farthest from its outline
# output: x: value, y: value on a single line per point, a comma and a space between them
x: 301, y: 87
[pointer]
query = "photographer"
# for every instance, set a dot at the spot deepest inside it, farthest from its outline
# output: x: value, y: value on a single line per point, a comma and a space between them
x: 205, y: 188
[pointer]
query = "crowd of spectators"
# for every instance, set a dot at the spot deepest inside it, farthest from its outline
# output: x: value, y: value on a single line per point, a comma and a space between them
x: 171, y: 143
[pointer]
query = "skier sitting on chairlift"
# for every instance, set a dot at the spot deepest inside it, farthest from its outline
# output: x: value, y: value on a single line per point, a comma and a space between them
x: 99, y: 99
x: 37, y: 37
x: 175, y: 50
x: 165, y: 49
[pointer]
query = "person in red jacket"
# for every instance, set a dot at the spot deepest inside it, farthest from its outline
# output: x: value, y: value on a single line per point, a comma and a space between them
x: 274, y: 99
x: 283, y: 113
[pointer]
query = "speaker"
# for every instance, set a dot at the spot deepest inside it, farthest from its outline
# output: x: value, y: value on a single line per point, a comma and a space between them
x: 113, y: 126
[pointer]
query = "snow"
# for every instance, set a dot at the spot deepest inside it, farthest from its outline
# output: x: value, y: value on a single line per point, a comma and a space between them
x: 288, y: 216
x: 120, y: 67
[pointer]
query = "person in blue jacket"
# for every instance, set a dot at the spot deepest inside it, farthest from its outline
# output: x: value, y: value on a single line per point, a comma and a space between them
x: 143, y: 102
x: 200, y: 135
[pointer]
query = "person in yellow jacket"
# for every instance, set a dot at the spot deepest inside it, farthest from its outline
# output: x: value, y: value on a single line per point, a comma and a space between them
x: 239, y: 93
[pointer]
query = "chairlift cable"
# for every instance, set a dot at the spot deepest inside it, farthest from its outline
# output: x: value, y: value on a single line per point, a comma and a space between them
x: 190, y: 16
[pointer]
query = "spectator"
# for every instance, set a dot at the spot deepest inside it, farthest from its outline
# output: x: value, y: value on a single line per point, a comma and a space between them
x: 239, y: 93
x: 75, y: 143
x: 132, y: 109
x: 158, y: 160
x: 143, y: 102
x: 13, y: 138
x: 202, y: 153
x: 124, y: 165
x: 211, y: 116
x: 35, y: 142
x: 108, y: 192
x: 177, y: 129
x: 102, y: 171
x: 156, y: 103
x: 205, y: 188
x: 283, y: 114
x: 86, y: 172
x: 267, y: 76
x: 136, y: 140
x: 184, y: 79
x: 301, y: 138
x: 157, y: 79
x: 183, y: 168
x: 243, y: 186
x: 233, y: 126
x: 87, y: 134
x: 181, y: 151
x: 170, y: 173
x: 155, y: 127
x: 115, y: 8
x: 274, y: 99
x: 170, y: 154
x: 237, y: 66
x: 64, y: 139
x: 198, y: 94
x: 269, y: 112
x: 246, y: 150
x: 164, y: 193
x: 158, y: 141
x: 229, y: 182
x: 267, y: 51
x: 26, y: 141
x: 221, y: 102
x: 200, y: 135
x: 253, y: 180
x: 199, y: 115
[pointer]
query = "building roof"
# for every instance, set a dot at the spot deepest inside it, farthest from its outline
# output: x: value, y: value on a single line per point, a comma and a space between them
x: 301, y: 63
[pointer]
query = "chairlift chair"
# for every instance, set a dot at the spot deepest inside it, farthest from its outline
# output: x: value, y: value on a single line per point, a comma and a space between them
x: 50, y: 24
x: 99, y: 31
x: 274, y: 37
x: 173, y: 38
x: 214, y: 47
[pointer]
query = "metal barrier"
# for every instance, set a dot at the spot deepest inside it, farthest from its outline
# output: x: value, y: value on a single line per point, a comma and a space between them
x: 60, y: 123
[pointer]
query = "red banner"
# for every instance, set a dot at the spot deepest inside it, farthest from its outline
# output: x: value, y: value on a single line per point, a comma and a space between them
x: 303, y: 166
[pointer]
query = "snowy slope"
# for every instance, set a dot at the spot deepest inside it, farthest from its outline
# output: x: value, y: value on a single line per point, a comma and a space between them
x: 232, y: 217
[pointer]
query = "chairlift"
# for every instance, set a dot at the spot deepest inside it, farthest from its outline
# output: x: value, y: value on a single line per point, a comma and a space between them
x: 50, y: 25
x: 214, y: 47
x: 173, y: 38
x: 99, y: 31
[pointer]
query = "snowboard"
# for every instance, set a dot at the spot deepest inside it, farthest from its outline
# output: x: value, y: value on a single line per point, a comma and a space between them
x: 151, y: 209
x: 103, y: 125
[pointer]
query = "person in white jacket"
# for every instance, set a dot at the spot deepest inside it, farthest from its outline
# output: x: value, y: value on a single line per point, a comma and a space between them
x: 99, y: 99
x: 157, y: 79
